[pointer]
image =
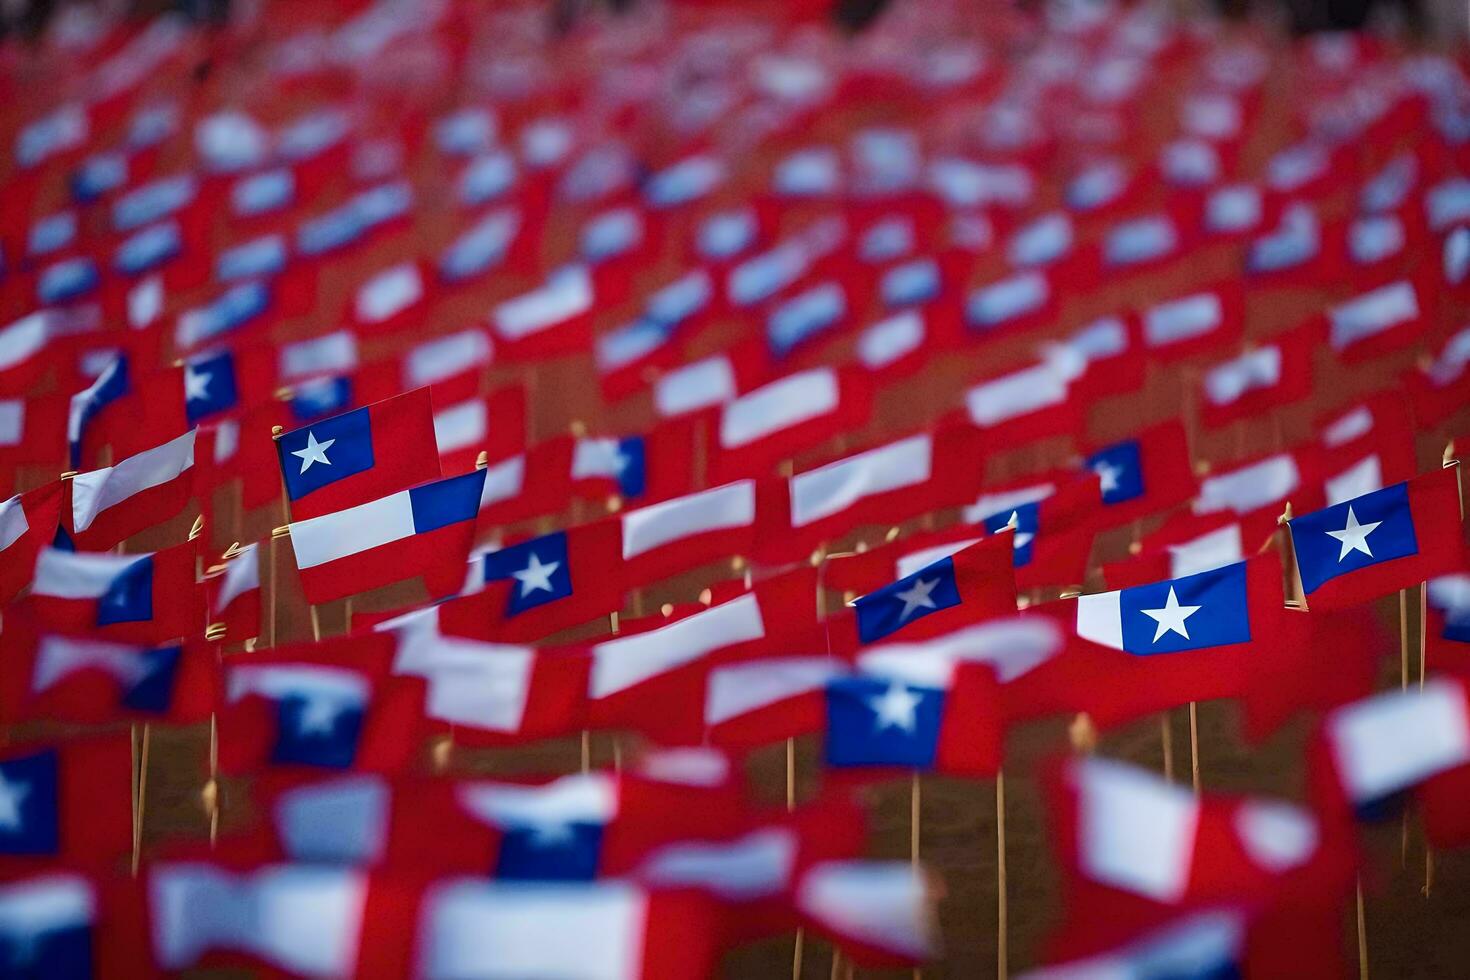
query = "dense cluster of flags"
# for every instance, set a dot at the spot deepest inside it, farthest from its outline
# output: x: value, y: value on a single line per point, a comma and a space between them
x: 694, y: 224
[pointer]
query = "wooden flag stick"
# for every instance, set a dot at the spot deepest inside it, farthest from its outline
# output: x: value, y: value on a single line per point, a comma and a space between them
x: 316, y: 625
x: 914, y: 835
x: 1166, y: 735
x: 1423, y: 647
x: 1362, y: 935
x: 1194, y: 744
x: 1002, y: 969
x: 211, y: 788
x: 140, y: 792
x: 1404, y: 686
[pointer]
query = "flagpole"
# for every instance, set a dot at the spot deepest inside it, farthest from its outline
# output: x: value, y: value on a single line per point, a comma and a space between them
x: 1362, y: 935
x: 1194, y: 744
x: 1002, y: 969
x: 914, y: 835
x: 1423, y: 642
x: 1404, y: 686
x: 140, y: 790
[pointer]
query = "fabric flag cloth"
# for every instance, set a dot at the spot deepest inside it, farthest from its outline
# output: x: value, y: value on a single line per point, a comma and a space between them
x: 233, y: 589
x: 359, y: 456
x: 68, y: 801
x: 482, y: 690
x: 330, y: 705
x: 84, y: 679
x: 676, y: 535
x: 148, y: 598
x: 28, y: 523
x: 553, y: 581
x: 509, y: 930
x: 109, y: 505
x: 977, y: 582
x: 881, y: 913
x: 1143, y: 475
x: 778, y: 420
x: 1380, y: 542
x: 423, y: 531
x: 1132, y: 844
x: 1151, y: 647
x: 653, y: 681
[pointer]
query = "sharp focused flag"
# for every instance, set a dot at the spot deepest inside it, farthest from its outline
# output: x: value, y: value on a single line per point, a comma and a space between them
x: 1380, y: 542
x: 112, y: 504
x: 424, y: 531
x: 977, y: 581
x: 359, y: 456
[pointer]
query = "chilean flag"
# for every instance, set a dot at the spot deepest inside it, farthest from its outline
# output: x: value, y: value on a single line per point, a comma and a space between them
x: 554, y: 581
x: 321, y: 706
x: 68, y: 801
x: 112, y: 504
x: 1380, y: 542
x: 426, y: 530
x: 28, y: 523
x: 1143, y: 475
x: 149, y: 598
x: 882, y: 913
x: 359, y: 456
x: 233, y: 588
x: 978, y: 580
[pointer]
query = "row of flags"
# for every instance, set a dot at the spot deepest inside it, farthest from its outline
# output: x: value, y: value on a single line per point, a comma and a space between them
x: 891, y: 394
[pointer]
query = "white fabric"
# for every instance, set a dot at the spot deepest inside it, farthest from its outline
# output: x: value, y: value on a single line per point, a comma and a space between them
x: 12, y: 421
x: 835, y: 487
x: 706, y: 382
x: 1011, y: 647
x: 717, y: 509
x: 877, y: 903
x: 1135, y: 831
x: 311, y: 681
x: 461, y: 426
x: 1100, y: 618
x: 13, y: 523
x: 1212, y: 549
x: 567, y: 294
x: 389, y: 293
x: 1182, y: 319
x: 1277, y: 836
x: 343, y: 533
x: 1364, y: 476
x: 1375, y: 238
x: 779, y: 405
x: 623, y: 662
x: 740, y: 688
x: 1372, y: 313
x: 1010, y: 298
x: 470, y: 682
x: 95, y: 491
x: 338, y: 821
x: 990, y: 504
x: 915, y: 560
x: 686, y: 765
x: 1197, y: 946
x: 888, y: 340
x: 1043, y: 240
x: 503, y: 481
x: 58, y: 657
x: 305, y: 919
x: 1392, y: 741
x: 473, y: 929
x: 78, y: 575
x: 580, y: 798
x: 1350, y: 425
x: 333, y: 353
x: 1226, y: 383
x: 1255, y: 485
x: 1236, y: 208
x: 446, y: 356
x: 1013, y: 395
x: 241, y: 575
x: 24, y: 338
x: 756, y: 865
x: 50, y: 902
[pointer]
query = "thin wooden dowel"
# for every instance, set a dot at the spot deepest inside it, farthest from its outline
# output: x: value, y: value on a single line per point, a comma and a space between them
x: 586, y: 750
x: 1002, y: 968
x: 271, y: 597
x: 1404, y: 685
x: 1423, y: 648
x: 796, y: 952
x: 1194, y: 745
x: 914, y: 801
x: 213, y: 779
x: 316, y: 626
x: 140, y: 794
x: 1166, y: 736
x: 790, y: 774
x: 836, y: 963
x: 1362, y: 936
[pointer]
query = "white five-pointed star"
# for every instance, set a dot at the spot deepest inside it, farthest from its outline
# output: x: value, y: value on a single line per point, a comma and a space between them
x: 1171, y: 618
x: 196, y: 384
x: 895, y: 708
x: 916, y: 597
x: 554, y: 834
x: 536, y: 576
x: 1109, y: 474
x: 1354, y: 536
x: 315, y: 452
x: 12, y: 795
x: 319, y: 715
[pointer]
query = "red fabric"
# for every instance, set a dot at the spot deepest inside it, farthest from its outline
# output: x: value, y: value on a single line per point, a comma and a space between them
x: 42, y: 509
x: 437, y: 556
x: 94, y: 786
x: 177, y: 605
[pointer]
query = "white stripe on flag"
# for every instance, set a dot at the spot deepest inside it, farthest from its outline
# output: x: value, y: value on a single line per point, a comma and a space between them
x: 96, y: 491
x: 581, y: 798
x: 319, y: 540
x: 78, y: 575
x: 1100, y: 618
x: 1391, y: 741
x: 778, y: 405
x: 647, y: 528
x: 1135, y: 831
x: 741, y: 688
x: 13, y: 523
x: 619, y: 664
x: 835, y: 487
